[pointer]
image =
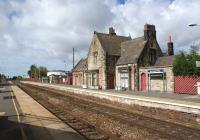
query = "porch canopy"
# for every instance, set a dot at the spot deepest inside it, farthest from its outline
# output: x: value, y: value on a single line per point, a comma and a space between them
x: 156, y: 73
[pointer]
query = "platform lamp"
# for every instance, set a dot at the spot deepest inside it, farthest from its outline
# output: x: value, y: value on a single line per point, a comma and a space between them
x: 192, y: 25
x: 197, y: 64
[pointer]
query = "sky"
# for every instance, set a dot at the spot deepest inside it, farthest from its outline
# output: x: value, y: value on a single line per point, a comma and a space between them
x: 44, y: 32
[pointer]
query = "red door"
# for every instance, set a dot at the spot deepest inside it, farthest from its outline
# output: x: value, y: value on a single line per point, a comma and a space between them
x: 110, y: 81
x: 143, y: 82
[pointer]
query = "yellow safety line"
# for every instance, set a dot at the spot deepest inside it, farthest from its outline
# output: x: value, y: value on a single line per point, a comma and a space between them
x: 18, y: 118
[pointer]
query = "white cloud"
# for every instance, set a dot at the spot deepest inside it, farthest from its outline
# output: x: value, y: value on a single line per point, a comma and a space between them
x: 170, y: 17
x: 43, y: 32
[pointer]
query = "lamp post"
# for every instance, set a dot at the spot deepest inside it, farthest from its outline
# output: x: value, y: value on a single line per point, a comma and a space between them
x: 39, y: 74
x: 197, y: 64
x: 65, y: 68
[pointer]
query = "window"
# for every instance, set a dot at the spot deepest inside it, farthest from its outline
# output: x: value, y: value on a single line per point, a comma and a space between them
x: 152, y: 56
x: 124, y: 80
x: 95, y: 57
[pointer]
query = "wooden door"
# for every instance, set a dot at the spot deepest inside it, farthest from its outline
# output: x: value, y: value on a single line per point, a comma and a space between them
x: 143, y: 82
x: 110, y: 81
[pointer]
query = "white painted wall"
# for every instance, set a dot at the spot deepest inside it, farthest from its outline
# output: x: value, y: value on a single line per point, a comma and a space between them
x: 56, y: 73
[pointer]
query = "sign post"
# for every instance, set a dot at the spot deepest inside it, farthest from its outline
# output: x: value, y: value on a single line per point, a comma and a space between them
x: 198, y: 88
x: 198, y: 83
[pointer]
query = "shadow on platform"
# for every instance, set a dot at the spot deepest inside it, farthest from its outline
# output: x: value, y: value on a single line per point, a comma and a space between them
x: 10, y: 130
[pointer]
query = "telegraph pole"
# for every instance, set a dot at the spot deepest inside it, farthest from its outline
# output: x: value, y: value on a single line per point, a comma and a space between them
x: 73, y: 57
x: 65, y: 65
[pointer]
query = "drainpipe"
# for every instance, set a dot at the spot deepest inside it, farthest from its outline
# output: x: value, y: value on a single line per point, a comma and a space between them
x: 129, y: 76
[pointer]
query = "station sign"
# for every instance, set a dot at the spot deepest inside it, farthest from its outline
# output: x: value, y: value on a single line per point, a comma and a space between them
x: 198, y: 64
x: 151, y: 71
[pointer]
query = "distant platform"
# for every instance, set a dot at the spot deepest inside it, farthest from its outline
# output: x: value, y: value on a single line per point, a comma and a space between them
x: 177, y: 102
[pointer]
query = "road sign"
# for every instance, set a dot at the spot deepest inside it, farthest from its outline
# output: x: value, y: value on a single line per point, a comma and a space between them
x: 197, y: 63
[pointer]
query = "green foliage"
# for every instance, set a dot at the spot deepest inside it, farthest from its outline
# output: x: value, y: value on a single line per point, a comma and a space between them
x: 37, y: 72
x: 17, y: 78
x: 185, y: 64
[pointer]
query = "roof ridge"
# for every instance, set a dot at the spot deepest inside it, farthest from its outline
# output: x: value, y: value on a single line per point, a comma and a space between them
x: 132, y: 40
x: 138, y: 37
x: 78, y: 63
x: 112, y: 35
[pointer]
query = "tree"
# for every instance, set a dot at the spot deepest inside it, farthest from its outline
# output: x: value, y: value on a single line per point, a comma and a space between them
x: 185, y: 64
x: 35, y: 72
x: 179, y: 64
x: 42, y: 71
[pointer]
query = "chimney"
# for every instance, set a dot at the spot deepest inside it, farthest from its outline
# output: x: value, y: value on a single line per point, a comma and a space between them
x: 149, y: 32
x: 112, y: 31
x: 170, y: 46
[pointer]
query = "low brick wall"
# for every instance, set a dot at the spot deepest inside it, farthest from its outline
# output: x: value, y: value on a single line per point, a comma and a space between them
x: 185, y: 84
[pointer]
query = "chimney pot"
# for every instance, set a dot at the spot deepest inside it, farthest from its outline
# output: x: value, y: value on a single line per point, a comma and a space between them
x: 170, y: 46
x: 112, y: 31
x: 149, y: 31
x: 170, y: 38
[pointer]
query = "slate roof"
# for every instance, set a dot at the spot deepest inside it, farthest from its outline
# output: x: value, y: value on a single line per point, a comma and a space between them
x: 111, y: 43
x: 81, y: 65
x: 165, y: 61
x: 131, y: 50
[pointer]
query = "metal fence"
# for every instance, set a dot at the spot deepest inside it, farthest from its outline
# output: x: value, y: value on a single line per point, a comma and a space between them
x: 186, y: 84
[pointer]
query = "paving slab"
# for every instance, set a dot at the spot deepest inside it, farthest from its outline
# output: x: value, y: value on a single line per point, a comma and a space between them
x: 44, y: 125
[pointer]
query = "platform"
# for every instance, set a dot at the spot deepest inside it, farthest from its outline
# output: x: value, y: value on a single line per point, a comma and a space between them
x: 183, y: 103
x: 43, y: 124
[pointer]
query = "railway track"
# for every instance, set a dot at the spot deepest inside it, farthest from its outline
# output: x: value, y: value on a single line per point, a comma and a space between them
x: 81, y: 126
x: 164, y: 129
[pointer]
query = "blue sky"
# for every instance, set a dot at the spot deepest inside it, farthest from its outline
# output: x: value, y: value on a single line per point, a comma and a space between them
x: 121, y: 1
x: 43, y: 32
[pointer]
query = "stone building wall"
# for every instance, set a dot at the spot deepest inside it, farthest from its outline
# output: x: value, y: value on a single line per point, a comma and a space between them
x: 166, y: 85
x: 80, y: 78
x: 101, y: 63
x: 144, y: 57
x: 131, y: 76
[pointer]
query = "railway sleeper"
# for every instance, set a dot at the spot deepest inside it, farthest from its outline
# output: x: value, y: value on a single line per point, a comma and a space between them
x: 90, y: 133
x: 99, y: 137
x: 86, y: 130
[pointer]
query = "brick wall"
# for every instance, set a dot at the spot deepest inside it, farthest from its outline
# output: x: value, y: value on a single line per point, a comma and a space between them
x: 185, y: 84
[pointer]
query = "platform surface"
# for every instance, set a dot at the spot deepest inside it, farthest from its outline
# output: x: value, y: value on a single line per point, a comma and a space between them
x: 9, y: 121
x: 33, y: 121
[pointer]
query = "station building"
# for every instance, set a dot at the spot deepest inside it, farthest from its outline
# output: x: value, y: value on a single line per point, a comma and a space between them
x: 121, y: 63
x: 102, y: 57
x: 79, y: 73
x: 58, y: 77
x: 159, y: 77
x: 142, y: 52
